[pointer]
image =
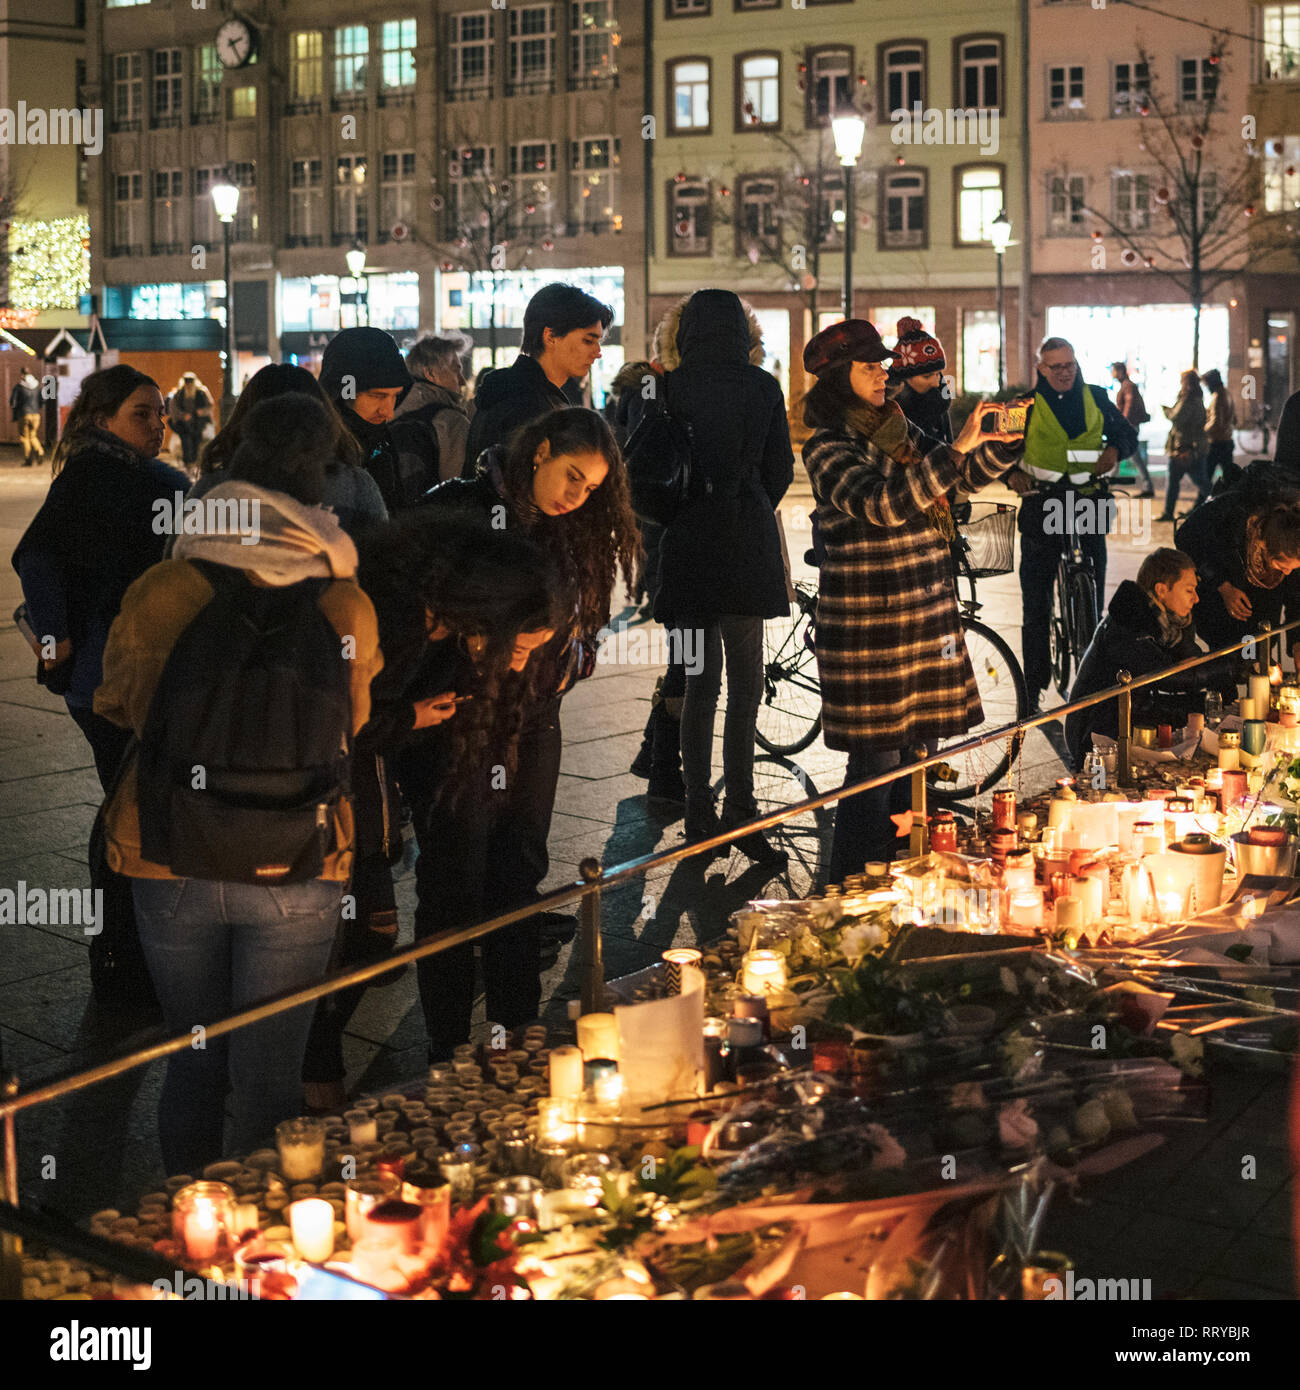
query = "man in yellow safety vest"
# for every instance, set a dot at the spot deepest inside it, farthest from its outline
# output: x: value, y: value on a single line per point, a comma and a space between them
x: 1074, y: 435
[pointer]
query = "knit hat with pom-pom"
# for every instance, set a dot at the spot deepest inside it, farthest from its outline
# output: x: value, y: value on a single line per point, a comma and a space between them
x: 918, y: 352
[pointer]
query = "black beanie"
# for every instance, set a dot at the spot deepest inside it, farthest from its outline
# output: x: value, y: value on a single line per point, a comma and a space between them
x: 370, y: 357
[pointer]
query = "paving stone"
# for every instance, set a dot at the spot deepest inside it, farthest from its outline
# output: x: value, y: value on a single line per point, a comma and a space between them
x: 30, y: 952
x: 46, y: 793
x: 23, y: 690
x: 65, y: 751
x: 1257, y: 1259
x: 61, y: 827
x: 601, y: 758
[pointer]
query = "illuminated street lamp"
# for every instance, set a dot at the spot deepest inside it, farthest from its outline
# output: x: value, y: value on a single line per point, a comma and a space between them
x: 356, y: 259
x: 1000, y: 236
x: 225, y: 201
x: 848, y: 131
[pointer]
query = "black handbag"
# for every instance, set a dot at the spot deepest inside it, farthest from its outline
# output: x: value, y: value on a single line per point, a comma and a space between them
x: 659, y: 462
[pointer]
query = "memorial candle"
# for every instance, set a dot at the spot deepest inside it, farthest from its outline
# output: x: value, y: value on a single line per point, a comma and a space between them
x: 598, y: 1036
x: 312, y: 1223
x: 566, y: 1072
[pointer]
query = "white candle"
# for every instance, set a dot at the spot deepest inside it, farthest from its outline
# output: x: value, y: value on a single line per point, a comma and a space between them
x: 1247, y: 707
x: 763, y: 973
x: 202, y: 1231
x: 1195, y: 723
x: 1069, y: 914
x: 598, y: 1037
x: 362, y: 1127
x: 1018, y: 876
x: 1026, y: 907
x: 312, y: 1223
x: 1088, y: 891
x: 566, y: 1072
x: 1229, y: 759
x: 1260, y: 693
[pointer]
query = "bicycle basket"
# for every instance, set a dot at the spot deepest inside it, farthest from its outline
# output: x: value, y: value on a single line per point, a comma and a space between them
x: 990, y: 537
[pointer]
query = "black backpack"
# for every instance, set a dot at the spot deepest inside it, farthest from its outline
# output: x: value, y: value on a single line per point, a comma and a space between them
x: 658, y: 455
x: 244, y: 754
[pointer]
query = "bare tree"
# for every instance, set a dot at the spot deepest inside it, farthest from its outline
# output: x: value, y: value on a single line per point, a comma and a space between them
x: 1201, y: 223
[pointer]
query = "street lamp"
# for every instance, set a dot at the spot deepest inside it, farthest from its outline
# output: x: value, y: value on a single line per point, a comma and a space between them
x: 356, y: 259
x: 848, y: 132
x: 1000, y: 236
x: 225, y: 200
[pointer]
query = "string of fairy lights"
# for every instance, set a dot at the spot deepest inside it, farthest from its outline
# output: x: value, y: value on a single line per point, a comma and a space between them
x: 49, y: 263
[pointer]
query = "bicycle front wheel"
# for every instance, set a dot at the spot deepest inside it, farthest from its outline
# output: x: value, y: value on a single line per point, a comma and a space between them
x: 1058, y: 632
x: 1082, y: 609
x: 790, y: 710
x: 1004, y: 697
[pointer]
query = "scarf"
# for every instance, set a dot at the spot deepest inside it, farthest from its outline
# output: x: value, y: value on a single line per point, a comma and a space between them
x: 1260, y: 570
x: 1172, y: 627
x: 886, y: 428
x: 292, y: 541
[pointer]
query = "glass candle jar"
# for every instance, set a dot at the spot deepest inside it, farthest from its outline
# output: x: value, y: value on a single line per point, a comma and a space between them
x: 203, y: 1219
x: 763, y: 972
x: 301, y: 1146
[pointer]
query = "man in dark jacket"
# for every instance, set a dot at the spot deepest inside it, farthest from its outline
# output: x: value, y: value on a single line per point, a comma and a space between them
x: 363, y: 373
x: 563, y: 328
x: 1067, y: 417
x: 1147, y: 627
x: 437, y: 399
x: 720, y: 570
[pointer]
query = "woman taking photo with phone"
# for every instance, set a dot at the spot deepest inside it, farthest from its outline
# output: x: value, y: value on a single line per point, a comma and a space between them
x: 890, y: 650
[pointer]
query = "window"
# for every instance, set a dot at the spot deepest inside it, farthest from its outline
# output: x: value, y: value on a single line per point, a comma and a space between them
x: 830, y: 75
x: 1132, y: 201
x: 205, y: 215
x: 1065, y: 91
x: 244, y: 177
x: 1281, y: 35
x: 1207, y: 189
x: 166, y: 88
x: 306, y: 69
x: 688, y: 93
x: 980, y: 345
x: 351, y: 62
x: 690, y: 221
x: 980, y: 197
x: 128, y: 90
x: 396, y: 190
x: 533, y: 207
x: 467, y: 170
x: 243, y: 103
x: 979, y: 74
x: 1065, y: 195
x: 128, y: 215
x: 306, y: 203
x: 1281, y: 174
x: 756, y: 220
x: 168, y: 196
x: 1130, y: 89
x: 830, y: 210
x: 682, y: 9
x: 902, y: 213
x: 207, y: 84
x: 397, y: 55
x: 470, y: 54
x: 533, y: 157
x: 1198, y: 81
x: 758, y: 91
x: 593, y: 163
x: 593, y: 37
x: 903, y: 78
x: 532, y: 48
x: 350, y: 220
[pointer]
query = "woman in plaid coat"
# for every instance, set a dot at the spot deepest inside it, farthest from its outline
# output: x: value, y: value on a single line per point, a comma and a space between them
x: 890, y: 651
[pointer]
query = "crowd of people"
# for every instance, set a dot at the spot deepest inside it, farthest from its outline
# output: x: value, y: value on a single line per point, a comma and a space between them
x: 423, y: 581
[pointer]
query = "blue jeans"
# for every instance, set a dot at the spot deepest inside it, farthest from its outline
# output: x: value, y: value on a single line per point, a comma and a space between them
x: 214, y: 949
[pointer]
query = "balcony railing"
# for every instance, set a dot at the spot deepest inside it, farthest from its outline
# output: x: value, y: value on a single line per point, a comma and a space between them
x: 592, y: 81
x: 126, y: 123
x: 349, y: 101
x: 479, y: 91
x: 349, y: 238
x: 531, y: 87
x: 172, y: 121
x: 903, y: 237
x: 299, y: 239
x: 304, y: 106
x: 123, y: 248
x: 167, y: 248
x: 204, y: 117
x: 397, y: 96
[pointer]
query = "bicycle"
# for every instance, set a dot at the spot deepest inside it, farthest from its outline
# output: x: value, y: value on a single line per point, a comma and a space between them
x: 789, y: 716
x: 1074, y: 617
x: 1254, y: 435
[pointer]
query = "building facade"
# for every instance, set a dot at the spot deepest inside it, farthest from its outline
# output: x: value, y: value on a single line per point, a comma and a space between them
x: 394, y: 128
x: 746, y: 191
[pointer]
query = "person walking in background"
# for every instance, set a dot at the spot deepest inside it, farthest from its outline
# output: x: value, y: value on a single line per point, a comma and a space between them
x: 894, y: 669
x: 1220, y: 421
x: 1129, y: 403
x: 1067, y: 416
x: 25, y: 407
x: 437, y: 399
x: 1185, y: 445
x: 364, y: 375
x: 189, y: 413
x: 720, y: 567
x: 233, y: 656
x: 349, y: 491
x: 563, y: 329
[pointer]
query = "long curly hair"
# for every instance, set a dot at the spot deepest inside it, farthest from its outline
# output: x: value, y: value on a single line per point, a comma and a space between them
x: 591, y: 543
x: 278, y: 379
x: 479, y: 582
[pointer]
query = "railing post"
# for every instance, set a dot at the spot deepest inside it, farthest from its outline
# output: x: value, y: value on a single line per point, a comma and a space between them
x: 1125, y: 739
x: 920, y: 840
x: 593, y: 963
x: 11, y: 1246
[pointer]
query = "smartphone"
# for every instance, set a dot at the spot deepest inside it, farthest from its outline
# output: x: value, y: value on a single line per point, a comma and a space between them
x: 1007, y: 417
x: 459, y: 700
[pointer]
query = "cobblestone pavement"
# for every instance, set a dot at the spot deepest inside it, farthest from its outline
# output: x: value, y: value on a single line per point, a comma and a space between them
x: 1175, y: 1216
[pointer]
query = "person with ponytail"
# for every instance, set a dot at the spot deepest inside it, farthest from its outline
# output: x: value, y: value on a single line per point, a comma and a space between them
x: 561, y: 482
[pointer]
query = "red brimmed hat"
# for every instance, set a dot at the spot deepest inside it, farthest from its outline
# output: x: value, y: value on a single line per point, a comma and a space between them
x: 853, y: 340
x: 918, y: 352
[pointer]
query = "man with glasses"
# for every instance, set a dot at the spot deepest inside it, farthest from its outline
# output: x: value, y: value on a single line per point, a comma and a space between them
x: 1074, y: 435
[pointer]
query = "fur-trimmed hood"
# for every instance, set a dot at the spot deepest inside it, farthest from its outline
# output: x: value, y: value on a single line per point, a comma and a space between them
x: 664, y: 347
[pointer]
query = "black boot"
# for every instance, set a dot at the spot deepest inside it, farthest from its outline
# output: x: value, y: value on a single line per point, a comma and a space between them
x: 755, y: 846
x: 666, y: 782
x: 702, y: 821
x: 643, y: 763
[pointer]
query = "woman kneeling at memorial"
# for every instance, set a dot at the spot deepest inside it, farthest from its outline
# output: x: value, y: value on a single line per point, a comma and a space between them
x: 1148, y: 626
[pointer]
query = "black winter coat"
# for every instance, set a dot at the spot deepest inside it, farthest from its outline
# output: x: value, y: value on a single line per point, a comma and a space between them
x: 401, y: 456
x: 1129, y: 638
x: 508, y: 400
x: 722, y: 553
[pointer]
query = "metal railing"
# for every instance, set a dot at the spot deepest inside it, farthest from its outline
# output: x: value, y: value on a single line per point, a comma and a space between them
x: 596, y: 880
